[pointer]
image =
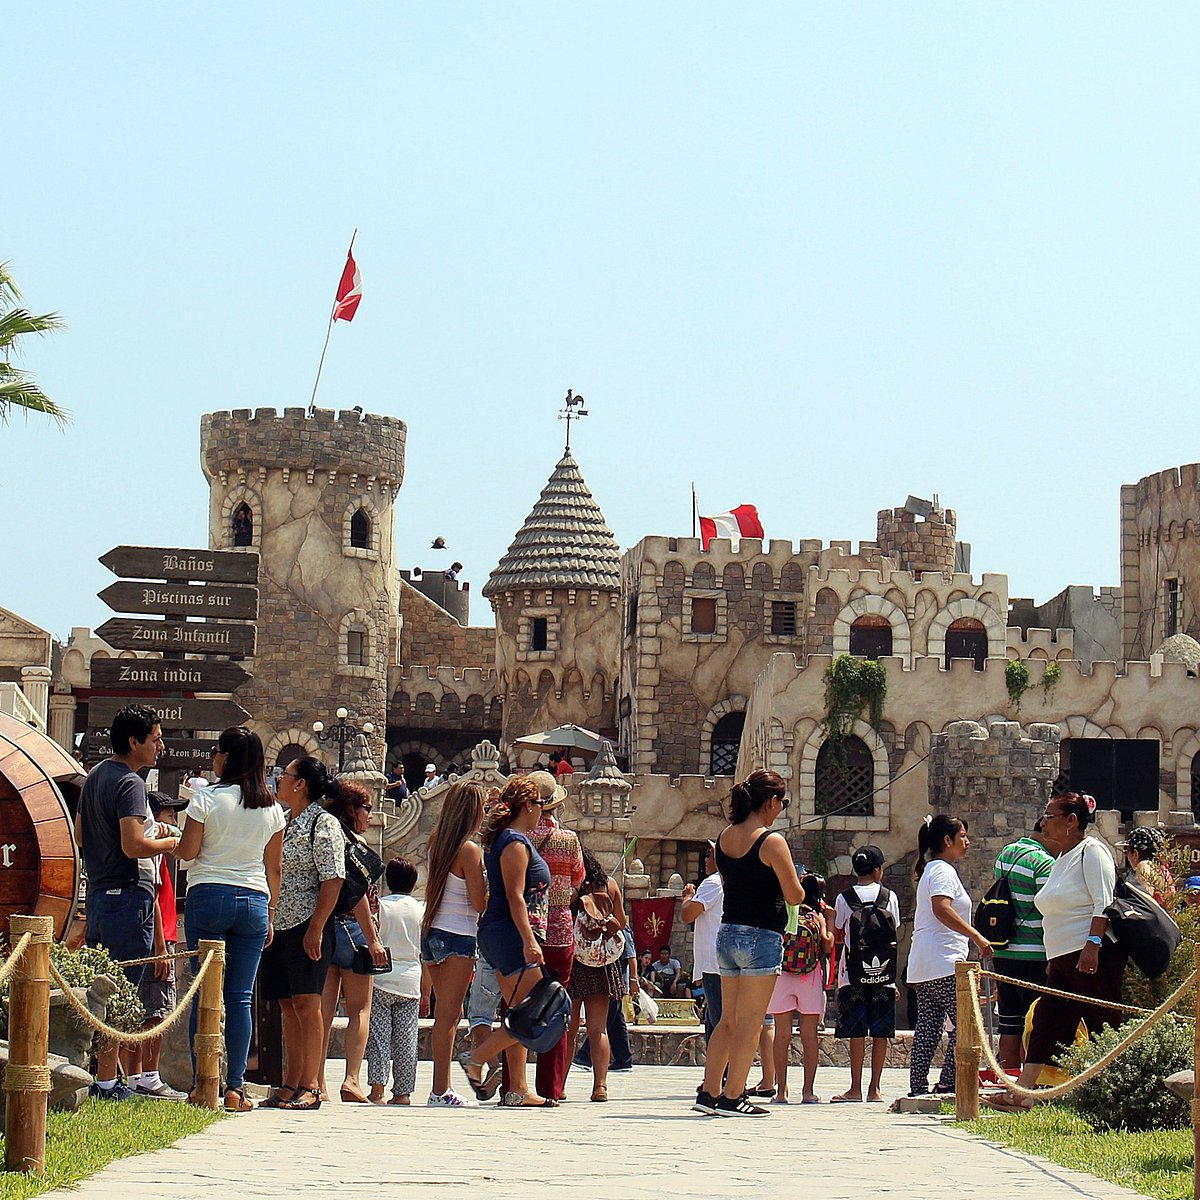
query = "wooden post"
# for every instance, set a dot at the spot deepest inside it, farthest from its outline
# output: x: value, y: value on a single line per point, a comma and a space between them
x: 208, y: 1027
x: 967, y: 1053
x: 27, y: 1080
x: 1195, y: 1067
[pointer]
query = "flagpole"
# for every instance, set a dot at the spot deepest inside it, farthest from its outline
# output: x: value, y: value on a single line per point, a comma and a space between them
x: 312, y: 403
x: 695, y: 510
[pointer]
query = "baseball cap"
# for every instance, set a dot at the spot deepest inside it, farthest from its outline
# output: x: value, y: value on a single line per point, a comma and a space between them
x: 1192, y: 883
x: 430, y: 767
x: 162, y: 800
x: 866, y: 859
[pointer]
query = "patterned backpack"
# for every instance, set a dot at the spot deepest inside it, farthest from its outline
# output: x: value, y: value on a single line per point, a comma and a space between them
x: 802, y: 949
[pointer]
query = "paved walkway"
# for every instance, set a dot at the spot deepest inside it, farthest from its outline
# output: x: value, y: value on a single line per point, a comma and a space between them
x: 645, y: 1142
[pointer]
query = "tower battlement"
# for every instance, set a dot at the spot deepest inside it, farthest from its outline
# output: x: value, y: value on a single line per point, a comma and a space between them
x: 918, y: 545
x: 364, y: 444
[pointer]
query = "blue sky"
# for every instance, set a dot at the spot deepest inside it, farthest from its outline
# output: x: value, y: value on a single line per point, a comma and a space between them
x: 812, y: 257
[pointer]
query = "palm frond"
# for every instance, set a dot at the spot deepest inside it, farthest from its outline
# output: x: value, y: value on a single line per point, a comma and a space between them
x: 19, y: 392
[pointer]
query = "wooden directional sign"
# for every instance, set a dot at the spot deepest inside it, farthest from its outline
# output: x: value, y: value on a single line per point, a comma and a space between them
x: 159, y: 562
x: 194, y: 637
x: 172, y: 714
x: 173, y: 599
x: 181, y: 754
x: 158, y: 675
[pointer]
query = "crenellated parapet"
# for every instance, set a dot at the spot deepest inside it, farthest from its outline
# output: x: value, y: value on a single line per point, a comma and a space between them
x: 1049, y: 645
x: 363, y: 449
x: 443, y: 697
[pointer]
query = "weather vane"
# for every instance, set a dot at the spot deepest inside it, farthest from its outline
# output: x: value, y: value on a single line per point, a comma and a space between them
x: 573, y: 411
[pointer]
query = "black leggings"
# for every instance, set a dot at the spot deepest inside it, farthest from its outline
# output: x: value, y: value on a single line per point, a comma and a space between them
x: 936, y: 1001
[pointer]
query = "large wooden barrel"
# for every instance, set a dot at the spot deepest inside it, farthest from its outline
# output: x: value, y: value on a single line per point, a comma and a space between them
x: 39, y: 862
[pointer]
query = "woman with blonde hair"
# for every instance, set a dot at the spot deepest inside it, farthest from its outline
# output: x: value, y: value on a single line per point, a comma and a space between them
x: 513, y: 927
x: 455, y: 895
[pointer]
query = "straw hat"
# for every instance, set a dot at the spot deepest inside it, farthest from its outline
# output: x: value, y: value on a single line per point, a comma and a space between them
x: 548, y: 788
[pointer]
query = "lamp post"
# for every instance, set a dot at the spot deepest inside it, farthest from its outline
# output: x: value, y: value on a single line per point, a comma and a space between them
x: 343, y: 733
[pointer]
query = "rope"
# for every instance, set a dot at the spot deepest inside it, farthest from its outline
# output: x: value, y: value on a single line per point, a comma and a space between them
x: 21, y: 1078
x: 138, y: 962
x: 144, y: 1035
x: 1063, y: 1089
x: 1049, y: 991
x: 10, y: 964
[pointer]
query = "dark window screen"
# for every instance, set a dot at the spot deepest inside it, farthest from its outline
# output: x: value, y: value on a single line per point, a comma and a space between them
x: 1120, y: 773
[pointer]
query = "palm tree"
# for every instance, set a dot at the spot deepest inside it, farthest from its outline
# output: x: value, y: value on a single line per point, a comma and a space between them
x: 17, y: 388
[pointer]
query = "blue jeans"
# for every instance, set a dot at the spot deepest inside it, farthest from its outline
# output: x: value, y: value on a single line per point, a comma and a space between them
x: 122, y: 921
x: 237, y: 916
x: 712, y: 1004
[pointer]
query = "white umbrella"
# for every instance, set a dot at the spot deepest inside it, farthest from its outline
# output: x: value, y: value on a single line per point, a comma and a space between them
x: 565, y: 737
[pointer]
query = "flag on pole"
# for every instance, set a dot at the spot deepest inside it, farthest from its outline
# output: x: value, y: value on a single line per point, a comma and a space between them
x: 349, y: 291
x: 738, y: 523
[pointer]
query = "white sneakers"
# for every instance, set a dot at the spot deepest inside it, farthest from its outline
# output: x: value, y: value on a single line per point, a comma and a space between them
x: 449, y: 1099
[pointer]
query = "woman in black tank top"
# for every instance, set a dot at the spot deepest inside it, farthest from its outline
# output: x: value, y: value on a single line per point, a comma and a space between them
x: 760, y: 881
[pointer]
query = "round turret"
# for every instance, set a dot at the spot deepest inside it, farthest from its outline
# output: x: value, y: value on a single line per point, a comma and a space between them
x: 917, y: 544
x: 314, y: 496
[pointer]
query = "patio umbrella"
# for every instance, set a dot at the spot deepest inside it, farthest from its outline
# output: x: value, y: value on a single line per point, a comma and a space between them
x: 565, y: 737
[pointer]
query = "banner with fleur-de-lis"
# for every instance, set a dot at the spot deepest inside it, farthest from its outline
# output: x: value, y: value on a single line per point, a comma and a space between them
x: 652, y: 922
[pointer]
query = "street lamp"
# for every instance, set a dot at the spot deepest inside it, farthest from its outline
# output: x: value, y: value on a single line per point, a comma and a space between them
x: 343, y: 733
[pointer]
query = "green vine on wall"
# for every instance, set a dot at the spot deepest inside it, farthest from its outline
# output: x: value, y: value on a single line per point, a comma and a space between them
x: 852, y: 684
x: 1016, y: 680
x: 1049, y: 681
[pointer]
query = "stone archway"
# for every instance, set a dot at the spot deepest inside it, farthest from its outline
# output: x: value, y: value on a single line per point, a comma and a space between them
x: 877, y: 606
x: 997, y: 640
x: 283, y: 739
x: 734, y: 704
x: 806, y: 785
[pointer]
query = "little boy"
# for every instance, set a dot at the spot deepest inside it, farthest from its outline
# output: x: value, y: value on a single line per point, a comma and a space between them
x: 864, y: 1009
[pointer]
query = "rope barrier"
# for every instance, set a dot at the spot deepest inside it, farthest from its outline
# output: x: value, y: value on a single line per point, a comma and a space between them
x: 144, y: 1035
x: 155, y: 958
x: 1063, y: 1089
x: 1049, y: 991
x: 10, y: 964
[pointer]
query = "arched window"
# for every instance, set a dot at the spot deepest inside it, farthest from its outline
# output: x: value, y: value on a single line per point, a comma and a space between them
x: 845, y: 779
x: 967, y: 638
x: 356, y: 646
x: 243, y: 525
x: 360, y: 530
x: 871, y: 636
x: 726, y: 737
x: 289, y: 754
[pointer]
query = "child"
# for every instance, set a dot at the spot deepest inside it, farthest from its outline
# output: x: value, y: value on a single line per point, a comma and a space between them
x: 399, y: 996
x: 865, y: 1009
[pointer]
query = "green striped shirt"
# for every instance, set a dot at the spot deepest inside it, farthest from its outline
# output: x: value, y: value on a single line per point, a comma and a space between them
x: 1027, y: 865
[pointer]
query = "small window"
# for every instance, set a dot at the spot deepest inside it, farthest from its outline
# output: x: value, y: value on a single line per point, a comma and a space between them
x: 356, y: 647
x: 871, y: 636
x: 726, y: 738
x: 539, y: 635
x: 704, y: 615
x: 243, y: 525
x: 360, y: 530
x: 967, y: 638
x: 845, y: 779
x: 783, y: 618
x: 1172, y: 607
x: 632, y: 616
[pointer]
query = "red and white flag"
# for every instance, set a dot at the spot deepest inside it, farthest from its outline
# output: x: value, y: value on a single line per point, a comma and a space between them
x: 349, y: 291
x: 738, y: 523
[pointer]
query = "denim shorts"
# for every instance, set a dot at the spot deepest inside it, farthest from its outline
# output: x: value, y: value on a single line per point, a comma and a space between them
x: 748, y: 950
x: 501, y: 945
x: 122, y: 921
x: 483, y: 1002
x: 438, y: 945
x: 347, y: 936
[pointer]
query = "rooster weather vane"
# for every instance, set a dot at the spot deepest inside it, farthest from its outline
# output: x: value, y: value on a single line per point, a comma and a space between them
x: 573, y: 411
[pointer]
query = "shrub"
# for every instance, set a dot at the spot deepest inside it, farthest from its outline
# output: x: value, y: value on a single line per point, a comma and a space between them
x: 1129, y: 1093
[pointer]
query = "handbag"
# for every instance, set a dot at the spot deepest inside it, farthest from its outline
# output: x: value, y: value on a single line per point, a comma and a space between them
x: 594, y: 946
x: 364, y: 964
x: 539, y: 1022
x: 1142, y: 928
x: 363, y: 868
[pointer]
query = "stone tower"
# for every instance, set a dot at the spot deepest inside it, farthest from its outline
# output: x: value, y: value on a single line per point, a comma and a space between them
x: 314, y: 496
x: 556, y: 596
x: 917, y: 544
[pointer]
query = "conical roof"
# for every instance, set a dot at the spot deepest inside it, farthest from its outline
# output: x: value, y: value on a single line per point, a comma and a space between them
x: 564, y: 541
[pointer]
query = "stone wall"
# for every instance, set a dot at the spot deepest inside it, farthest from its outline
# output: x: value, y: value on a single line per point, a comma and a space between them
x: 917, y: 544
x: 430, y: 636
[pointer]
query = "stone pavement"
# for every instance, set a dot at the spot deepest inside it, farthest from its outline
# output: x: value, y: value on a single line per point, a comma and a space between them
x: 645, y: 1142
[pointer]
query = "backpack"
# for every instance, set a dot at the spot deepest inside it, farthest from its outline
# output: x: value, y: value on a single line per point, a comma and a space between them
x: 802, y: 949
x: 870, y: 939
x: 996, y: 915
x: 594, y: 945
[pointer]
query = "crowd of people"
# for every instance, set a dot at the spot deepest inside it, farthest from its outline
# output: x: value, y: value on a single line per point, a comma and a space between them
x: 289, y: 884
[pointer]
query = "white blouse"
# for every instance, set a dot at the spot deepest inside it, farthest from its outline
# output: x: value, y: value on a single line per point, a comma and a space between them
x: 1080, y: 887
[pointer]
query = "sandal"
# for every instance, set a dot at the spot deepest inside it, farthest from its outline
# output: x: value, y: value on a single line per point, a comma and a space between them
x: 1005, y: 1102
x: 472, y: 1070
x: 761, y: 1093
x: 600, y: 1094
x: 295, y: 1104
x: 519, y: 1100
x: 236, y: 1100
x: 350, y: 1096
x: 491, y: 1083
x: 277, y: 1098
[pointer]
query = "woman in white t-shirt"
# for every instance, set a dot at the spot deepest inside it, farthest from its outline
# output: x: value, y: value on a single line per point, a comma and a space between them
x: 942, y: 937
x: 234, y: 839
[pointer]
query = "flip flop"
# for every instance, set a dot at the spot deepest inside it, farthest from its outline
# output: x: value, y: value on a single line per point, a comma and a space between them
x: 491, y: 1083
x: 781, y: 1100
x: 845, y: 1099
x: 1005, y: 1102
x: 813, y: 1100
x: 516, y: 1100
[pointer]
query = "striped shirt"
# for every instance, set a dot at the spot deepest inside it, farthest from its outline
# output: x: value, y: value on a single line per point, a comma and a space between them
x: 1027, y: 864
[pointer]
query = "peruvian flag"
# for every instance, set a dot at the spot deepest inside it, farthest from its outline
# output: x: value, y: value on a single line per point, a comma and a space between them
x: 349, y: 291
x: 738, y: 523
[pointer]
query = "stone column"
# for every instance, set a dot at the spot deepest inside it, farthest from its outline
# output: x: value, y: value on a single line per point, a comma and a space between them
x: 35, y: 683
x: 602, y: 800
x: 62, y: 720
x: 360, y: 768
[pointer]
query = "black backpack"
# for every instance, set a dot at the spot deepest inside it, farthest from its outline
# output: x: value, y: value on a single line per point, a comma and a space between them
x: 870, y: 939
x: 996, y: 915
x: 1143, y: 928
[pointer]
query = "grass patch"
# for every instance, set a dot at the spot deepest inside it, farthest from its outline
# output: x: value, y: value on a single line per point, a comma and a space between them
x: 79, y: 1144
x: 1157, y: 1163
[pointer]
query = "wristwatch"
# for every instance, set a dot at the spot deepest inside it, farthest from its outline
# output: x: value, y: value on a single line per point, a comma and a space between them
x: 1095, y: 939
